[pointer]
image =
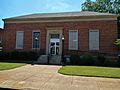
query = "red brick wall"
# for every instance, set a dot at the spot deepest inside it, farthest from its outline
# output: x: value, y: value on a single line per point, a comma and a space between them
x: 108, y: 34
x: 1, y: 32
x: 1, y: 36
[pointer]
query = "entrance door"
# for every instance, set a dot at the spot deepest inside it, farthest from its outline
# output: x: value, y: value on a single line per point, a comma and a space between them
x: 54, y: 48
x: 54, y: 44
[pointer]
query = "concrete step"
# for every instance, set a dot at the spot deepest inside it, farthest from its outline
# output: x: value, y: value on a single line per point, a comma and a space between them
x: 43, y: 59
x: 55, y: 59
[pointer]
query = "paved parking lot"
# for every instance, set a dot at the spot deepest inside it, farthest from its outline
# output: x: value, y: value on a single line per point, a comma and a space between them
x: 45, y: 77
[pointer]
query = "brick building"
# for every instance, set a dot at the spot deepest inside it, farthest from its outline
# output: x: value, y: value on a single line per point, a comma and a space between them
x: 83, y: 32
x: 1, y: 35
x: 1, y: 38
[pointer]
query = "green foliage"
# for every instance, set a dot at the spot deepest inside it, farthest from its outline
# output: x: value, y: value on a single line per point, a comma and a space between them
x: 117, y: 43
x: 23, y: 56
x: 16, y: 55
x: 118, y: 62
x: 100, y: 59
x: 88, y: 5
x: 87, y: 60
x: 33, y: 55
x: 4, y: 55
x: 110, y: 63
x: 111, y: 6
x: 75, y: 59
x: 116, y: 5
x: 82, y: 60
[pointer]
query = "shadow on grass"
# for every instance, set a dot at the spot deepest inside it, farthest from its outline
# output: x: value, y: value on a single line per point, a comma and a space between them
x: 28, y: 62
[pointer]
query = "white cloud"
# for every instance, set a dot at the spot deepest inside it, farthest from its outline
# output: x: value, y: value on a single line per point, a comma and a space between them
x: 57, y: 6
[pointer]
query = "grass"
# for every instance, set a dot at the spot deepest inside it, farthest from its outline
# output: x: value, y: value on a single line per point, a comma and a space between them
x: 93, y: 71
x: 7, y: 66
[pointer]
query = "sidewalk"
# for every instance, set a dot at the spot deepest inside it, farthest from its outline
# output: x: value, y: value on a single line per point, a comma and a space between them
x: 45, y: 77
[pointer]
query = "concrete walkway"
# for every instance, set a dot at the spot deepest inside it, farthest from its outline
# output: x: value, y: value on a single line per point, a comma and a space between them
x: 45, y: 77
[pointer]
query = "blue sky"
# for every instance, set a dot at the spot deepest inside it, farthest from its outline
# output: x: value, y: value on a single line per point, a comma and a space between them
x: 11, y: 8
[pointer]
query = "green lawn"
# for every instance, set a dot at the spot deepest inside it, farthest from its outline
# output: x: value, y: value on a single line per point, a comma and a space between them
x: 90, y: 71
x: 7, y: 66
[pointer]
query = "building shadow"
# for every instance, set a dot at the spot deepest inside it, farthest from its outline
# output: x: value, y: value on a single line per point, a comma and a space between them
x: 7, y: 89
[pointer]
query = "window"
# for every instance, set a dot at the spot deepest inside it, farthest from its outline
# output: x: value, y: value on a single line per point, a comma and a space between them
x: 54, y: 36
x: 19, y: 39
x: 73, y: 40
x: 94, y: 40
x: 36, y: 40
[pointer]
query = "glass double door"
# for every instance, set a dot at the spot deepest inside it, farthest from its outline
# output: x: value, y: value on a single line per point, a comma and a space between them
x: 54, y: 47
x: 54, y: 44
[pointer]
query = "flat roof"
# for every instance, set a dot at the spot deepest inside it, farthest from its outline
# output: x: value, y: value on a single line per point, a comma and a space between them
x: 61, y: 14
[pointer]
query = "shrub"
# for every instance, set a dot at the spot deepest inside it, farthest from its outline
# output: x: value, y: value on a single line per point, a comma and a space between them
x: 100, y: 59
x: 110, y: 63
x: 117, y: 43
x: 75, y: 59
x: 23, y: 56
x: 14, y: 55
x: 1, y: 55
x: 32, y: 55
x: 87, y: 60
x: 82, y: 60
x: 4, y: 56
x: 118, y: 62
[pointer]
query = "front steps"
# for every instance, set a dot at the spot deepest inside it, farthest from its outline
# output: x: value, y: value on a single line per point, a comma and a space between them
x: 43, y: 59
x: 54, y: 59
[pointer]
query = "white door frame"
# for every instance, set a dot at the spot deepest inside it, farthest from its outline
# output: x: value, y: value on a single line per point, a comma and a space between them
x: 53, y: 31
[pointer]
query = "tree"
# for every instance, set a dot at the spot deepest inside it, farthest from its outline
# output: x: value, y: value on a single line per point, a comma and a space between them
x: 117, y: 43
x: 105, y: 5
x: 110, y: 6
x: 117, y: 6
x: 87, y: 5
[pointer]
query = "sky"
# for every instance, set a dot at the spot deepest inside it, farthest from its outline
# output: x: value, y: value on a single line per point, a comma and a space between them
x: 11, y: 8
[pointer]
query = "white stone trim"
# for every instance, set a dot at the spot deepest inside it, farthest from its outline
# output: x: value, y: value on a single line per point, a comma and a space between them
x: 54, y: 31
x: 63, y: 20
